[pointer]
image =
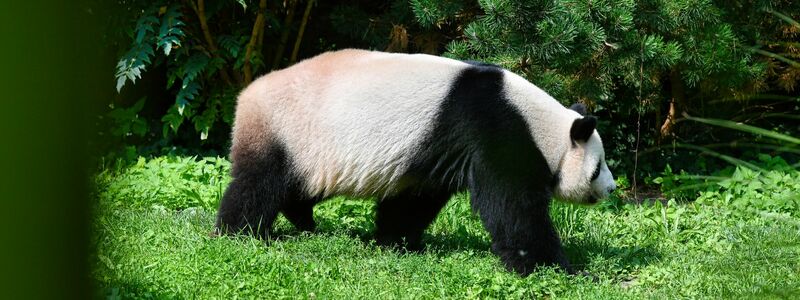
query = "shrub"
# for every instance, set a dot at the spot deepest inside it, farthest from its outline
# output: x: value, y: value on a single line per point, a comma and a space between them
x: 169, y: 181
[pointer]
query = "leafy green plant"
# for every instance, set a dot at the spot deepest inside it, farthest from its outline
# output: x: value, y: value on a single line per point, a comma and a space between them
x: 162, y: 38
x: 768, y: 184
x: 682, y: 186
x: 171, y: 182
x: 127, y: 121
x: 746, y: 191
x: 206, y: 63
x: 773, y: 186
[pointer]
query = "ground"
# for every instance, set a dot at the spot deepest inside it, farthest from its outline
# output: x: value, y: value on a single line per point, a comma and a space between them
x: 151, y: 236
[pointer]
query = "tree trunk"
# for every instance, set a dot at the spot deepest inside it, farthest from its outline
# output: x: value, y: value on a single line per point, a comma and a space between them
x: 276, y: 61
x: 303, y: 23
x: 254, y: 37
x: 200, y: 10
x: 676, y: 104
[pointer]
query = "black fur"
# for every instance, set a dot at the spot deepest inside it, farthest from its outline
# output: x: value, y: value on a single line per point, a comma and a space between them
x: 300, y: 213
x: 401, y: 219
x: 582, y: 128
x: 479, y: 142
x: 262, y: 186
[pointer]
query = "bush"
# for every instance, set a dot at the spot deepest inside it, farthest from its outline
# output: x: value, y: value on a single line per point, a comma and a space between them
x: 769, y: 185
x: 169, y: 181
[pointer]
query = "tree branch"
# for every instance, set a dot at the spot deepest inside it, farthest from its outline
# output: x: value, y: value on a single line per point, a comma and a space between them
x: 200, y: 10
x: 293, y: 58
x: 260, y: 42
x: 254, y: 37
x: 676, y: 104
x: 276, y: 61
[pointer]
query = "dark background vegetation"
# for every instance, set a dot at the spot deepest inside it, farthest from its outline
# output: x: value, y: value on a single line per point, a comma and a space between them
x: 71, y: 100
x: 641, y: 66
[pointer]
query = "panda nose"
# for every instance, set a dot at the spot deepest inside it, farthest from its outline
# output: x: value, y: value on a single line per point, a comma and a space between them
x: 611, y: 189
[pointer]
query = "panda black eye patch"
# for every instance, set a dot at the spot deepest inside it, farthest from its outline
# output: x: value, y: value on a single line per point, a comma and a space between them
x: 596, y: 172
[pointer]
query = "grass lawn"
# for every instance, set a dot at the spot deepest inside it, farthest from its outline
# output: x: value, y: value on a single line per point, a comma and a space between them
x: 151, y: 240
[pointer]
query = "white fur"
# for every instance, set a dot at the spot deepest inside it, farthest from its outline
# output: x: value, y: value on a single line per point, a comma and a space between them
x: 322, y: 108
x: 550, y: 124
x: 363, y: 94
x: 577, y: 167
x: 549, y: 121
x: 604, y: 184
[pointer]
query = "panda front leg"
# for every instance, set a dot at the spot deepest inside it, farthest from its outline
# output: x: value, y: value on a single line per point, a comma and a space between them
x: 523, y: 236
x: 401, y: 219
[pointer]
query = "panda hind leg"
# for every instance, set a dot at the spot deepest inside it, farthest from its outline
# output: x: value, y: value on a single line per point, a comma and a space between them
x: 256, y: 194
x: 400, y: 220
x: 300, y: 212
x: 244, y: 209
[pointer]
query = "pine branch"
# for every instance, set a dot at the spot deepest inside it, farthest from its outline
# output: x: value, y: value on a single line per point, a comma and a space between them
x: 200, y: 10
x: 254, y: 37
x: 285, y: 34
x: 303, y: 23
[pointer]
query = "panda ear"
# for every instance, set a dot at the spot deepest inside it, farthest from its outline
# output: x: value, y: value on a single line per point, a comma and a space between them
x: 579, y: 107
x: 582, y: 128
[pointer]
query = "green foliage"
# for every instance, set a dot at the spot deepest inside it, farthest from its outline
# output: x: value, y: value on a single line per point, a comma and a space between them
x: 748, y: 191
x: 171, y: 182
x: 170, y: 32
x: 134, y: 61
x: 170, y: 38
x: 770, y: 184
x: 773, y: 187
x: 435, y: 14
x: 680, y: 186
x: 365, y: 28
x: 127, y: 121
x: 625, y: 59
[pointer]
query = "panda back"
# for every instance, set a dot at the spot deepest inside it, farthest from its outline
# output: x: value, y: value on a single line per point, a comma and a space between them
x: 352, y: 120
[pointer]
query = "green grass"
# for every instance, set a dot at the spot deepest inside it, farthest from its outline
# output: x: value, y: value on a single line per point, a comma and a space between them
x: 154, y: 242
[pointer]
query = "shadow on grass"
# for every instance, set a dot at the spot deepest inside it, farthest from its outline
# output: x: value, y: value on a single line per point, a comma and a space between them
x: 582, y: 252
x: 362, y: 229
x: 450, y: 242
x: 455, y: 232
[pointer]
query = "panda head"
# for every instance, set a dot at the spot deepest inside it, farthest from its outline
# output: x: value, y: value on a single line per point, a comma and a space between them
x: 583, y: 176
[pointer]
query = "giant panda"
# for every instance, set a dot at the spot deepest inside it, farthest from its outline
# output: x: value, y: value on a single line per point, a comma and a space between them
x: 411, y: 130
